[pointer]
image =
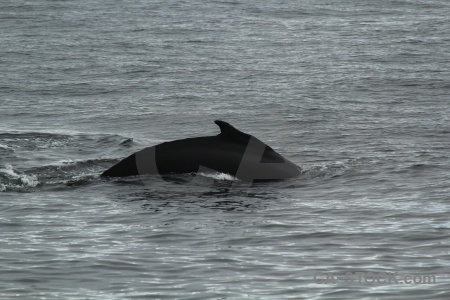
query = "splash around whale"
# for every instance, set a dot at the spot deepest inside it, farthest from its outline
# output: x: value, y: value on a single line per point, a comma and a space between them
x: 232, y: 152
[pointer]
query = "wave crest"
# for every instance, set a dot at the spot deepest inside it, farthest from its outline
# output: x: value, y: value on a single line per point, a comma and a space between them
x: 13, y: 179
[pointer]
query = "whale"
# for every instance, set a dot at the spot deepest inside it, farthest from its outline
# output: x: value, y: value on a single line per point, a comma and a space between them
x: 231, y: 152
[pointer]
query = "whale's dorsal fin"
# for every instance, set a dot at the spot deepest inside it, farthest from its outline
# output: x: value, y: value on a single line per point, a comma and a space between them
x: 226, y: 130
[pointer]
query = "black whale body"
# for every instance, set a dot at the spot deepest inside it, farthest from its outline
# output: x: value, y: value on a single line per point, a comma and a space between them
x: 232, y: 152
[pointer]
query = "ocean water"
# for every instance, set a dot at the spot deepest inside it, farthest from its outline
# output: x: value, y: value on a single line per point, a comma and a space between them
x: 357, y: 93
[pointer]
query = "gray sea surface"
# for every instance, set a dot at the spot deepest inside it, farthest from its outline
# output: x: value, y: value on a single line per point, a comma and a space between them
x: 357, y: 93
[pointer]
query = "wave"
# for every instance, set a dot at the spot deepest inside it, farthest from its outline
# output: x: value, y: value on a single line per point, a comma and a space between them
x: 13, y: 141
x: 12, y: 179
x: 33, y: 160
x: 60, y: 174
x: 336, y: 168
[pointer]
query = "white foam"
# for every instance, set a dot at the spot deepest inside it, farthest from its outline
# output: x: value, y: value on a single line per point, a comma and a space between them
x: 65, y: 162
x: 219, y: 176
x: 24, y: 180
x: 52, y: 144
x: 8, y: 170
x: 30, y: 181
